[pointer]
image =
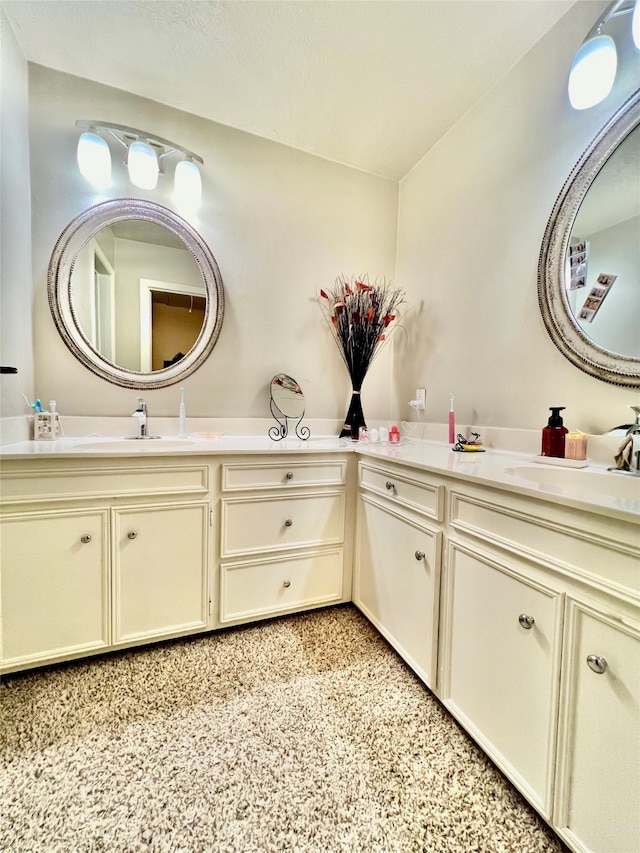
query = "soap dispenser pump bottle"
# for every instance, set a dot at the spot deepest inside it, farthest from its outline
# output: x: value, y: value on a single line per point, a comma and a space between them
x: 553, y: 434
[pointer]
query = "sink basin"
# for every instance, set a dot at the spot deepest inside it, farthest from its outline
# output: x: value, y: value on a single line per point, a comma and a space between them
x: 141, y: 445
x: 616, y: 485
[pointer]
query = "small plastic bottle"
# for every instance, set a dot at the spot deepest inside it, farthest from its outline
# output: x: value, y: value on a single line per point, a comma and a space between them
x: 553, y: 435
x: 394, y: 435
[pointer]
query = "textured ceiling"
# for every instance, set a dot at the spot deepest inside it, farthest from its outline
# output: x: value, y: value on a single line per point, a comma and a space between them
x: 373, y: 84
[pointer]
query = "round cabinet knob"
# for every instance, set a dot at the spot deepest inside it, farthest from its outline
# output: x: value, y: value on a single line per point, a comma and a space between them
x: 132, y: 534
x: 286, y: 584
x: 597, y: 664
x: 419, y: 555
x: 526, y: 621
x: 86, y: 537
x: 289, y: 475
x: 390, y: 486
x: 288, y: 522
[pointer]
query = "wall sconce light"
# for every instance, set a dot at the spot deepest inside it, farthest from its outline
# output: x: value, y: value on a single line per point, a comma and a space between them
x: 142, y: 165
x: 594, y: 66
x: 94, y: 158
x: 144, y: 159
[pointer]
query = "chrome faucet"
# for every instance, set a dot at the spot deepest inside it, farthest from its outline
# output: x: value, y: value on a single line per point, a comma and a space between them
x: 633, y: 435
x: 141, y: 414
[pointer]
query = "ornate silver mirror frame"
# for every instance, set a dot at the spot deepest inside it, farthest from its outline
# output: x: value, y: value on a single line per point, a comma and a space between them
x: 552, y: 285
x: 63, y: 259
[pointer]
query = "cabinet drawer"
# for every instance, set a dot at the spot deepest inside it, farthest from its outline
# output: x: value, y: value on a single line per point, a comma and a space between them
x: 275, y: 475
x: 273, y: 585
x: 400, y: 487
x: 602, y: 551
x: 252, y: 525
x: 39, y: 485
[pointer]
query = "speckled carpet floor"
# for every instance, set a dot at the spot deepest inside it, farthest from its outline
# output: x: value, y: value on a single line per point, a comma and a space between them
x: 303, y: 734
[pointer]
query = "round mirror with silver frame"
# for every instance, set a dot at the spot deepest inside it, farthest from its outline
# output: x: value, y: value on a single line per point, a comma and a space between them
x: 555, y: 286
x: 98, y: 350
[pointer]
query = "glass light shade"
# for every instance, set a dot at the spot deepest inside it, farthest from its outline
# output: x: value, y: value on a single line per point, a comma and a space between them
x: 94, y: 159
x: 635, y: 24
x: 187, y: 184
x: 593, y: 71
x: 142, y: 164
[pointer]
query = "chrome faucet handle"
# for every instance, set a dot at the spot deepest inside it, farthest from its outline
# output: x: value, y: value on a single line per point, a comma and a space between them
x: 634, y: 428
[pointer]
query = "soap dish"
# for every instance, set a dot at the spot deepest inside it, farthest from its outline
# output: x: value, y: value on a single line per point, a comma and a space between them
x: 563, y: 463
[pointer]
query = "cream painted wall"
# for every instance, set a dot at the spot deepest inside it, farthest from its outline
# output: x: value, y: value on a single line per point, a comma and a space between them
x: 472, y: 217
x: 280, y: 223
x: 16, y: 347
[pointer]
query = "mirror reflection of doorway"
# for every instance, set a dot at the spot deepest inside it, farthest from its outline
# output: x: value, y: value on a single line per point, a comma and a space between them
x: 171, y: 318
x: 101, y: 302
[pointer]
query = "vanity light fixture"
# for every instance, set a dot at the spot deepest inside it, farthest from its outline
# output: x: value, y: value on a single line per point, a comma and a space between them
x: 635, y: 25
x: 145, y: 157
x: 187, y: 184
x: 94, y: 158
x: 595, y: 64
x: 142, y: 165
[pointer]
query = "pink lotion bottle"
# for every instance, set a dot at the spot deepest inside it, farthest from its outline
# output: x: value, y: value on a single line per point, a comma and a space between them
x: 452, y: 421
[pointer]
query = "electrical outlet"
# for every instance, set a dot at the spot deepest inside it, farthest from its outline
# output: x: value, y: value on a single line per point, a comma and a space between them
x: 421, y: 398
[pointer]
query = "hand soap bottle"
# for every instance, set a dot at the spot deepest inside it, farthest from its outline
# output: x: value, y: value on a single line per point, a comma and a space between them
x: 553, y: 434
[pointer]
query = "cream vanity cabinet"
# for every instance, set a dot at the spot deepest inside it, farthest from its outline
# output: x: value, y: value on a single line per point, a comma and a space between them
x: 540, y: 656
x: 531, y: 611
x: 397, y: 565
x: 99, y: 555
x: 282, y: 538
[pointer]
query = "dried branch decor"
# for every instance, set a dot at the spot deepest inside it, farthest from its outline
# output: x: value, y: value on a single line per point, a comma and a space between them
x: 360, y: 316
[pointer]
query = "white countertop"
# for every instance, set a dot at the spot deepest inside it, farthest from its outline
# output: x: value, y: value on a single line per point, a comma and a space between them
x: 592, y: 488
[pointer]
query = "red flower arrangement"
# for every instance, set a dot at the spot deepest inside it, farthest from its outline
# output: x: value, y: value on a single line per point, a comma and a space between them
x: 359, y: 316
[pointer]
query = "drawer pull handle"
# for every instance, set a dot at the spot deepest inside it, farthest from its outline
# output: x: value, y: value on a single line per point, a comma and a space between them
x: 289, y: 475
x: 419, y: 555
x: 597, y: 664
x: 286, y: 584
x: 390, y: 486
x: 288, y: 522
x: 86, y: 537
x: 526, y: 621
x: 132, y: 534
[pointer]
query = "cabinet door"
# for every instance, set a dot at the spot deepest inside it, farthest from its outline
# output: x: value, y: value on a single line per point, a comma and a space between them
x: 54, y: 585
x: 396, y: 582
x: 160, y: 570
x: 500, y: 663
x: 598, y: 787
